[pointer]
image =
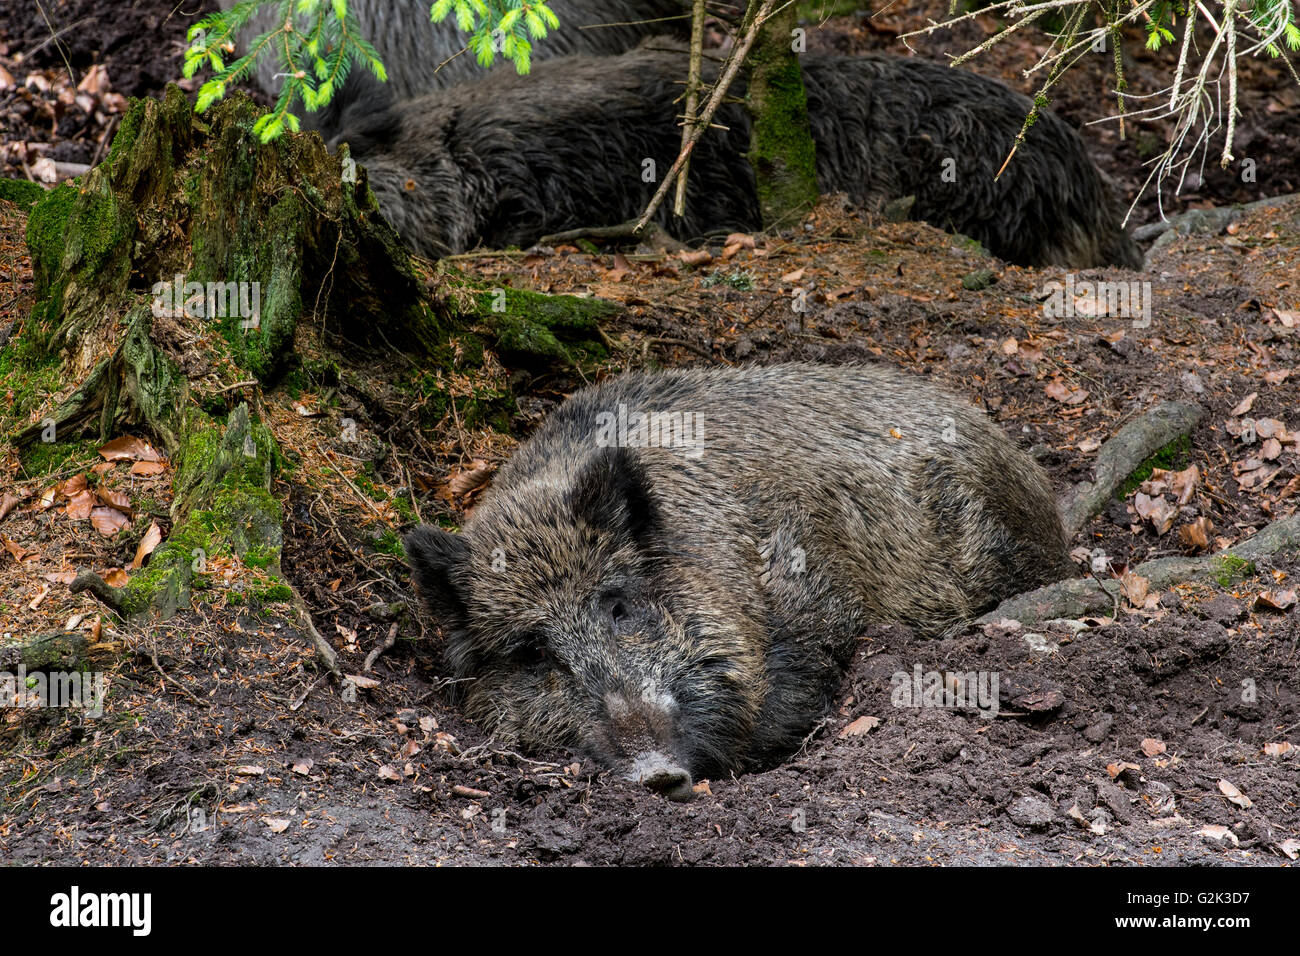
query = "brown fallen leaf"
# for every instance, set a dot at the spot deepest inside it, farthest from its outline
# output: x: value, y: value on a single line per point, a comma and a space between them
x: 1275, y: 600
x: 1245, y: 405
x: 1153, y: 747
x: 464, y: 481
x: 7, y: 504
x: 1277, y: 748
x: 129, y: 448
x: 1289, y: 318
x: 698, y: 258
x: 80, y: 505
x: 1119, y: 767
x: 152, y: 538
x: 61, y: 577
x: 108, y: 521
x: 250, y: 770
x: 1234, y: 795
x: 1277, y: 376
x: 1183, y: 483
x: 1134, y: 588
x: 793, y: 276
x: 1063, y: 393
x: 386, y: 772
x: 1291, y: 848
x: 36, y: 601
x: 1271, y: 449
x: 1196, y: 535
x: 861, y: 726
x: 18, y: 552
x: 73, y: 485
x: 147, y: 469
x: 277, y: 824
x: 116, y: 577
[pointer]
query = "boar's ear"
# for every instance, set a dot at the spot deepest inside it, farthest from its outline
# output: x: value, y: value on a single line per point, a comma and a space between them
x: 438, y: 561
x: 613, y: 492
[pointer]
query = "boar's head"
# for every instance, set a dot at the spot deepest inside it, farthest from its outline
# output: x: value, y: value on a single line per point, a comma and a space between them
x: 566, y: 611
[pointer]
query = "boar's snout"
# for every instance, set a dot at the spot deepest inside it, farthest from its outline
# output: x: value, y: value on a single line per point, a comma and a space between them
x: 663, y: 775
x: 641, y: 728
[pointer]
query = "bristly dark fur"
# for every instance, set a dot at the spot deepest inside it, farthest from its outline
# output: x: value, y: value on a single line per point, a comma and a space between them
x: 509, y: 159
x: 420, y: 56
x: 700, y: 601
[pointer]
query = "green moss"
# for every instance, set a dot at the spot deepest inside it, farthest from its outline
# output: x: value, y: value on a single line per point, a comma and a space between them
x: 22, y: 193
x: 127, y: 131
x: 740, y: 279
x: 47, y: 458
x: 29, y: 375
x: 1171, y: 457
x: 390, y: 543
x: 781, y: 149
x: 47, y: 229
x: 1228, y: 569
x: 533, y: 327
x: 978, y: 280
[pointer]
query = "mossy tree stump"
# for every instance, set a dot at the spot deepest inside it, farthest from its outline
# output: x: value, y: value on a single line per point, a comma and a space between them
x: 182, y: 265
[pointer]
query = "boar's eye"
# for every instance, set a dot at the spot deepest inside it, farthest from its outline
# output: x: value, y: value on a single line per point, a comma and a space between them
x: 530, y: 652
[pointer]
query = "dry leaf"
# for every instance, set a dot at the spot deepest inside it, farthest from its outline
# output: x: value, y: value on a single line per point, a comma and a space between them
x: 1275, y: 600
x: 7, y: 504
x: 698, y: 258
x: 1153, y: 747
x: 250, y: 770
x: 1134, y: 588
x: 793, y: 276
x: 1196, y: 536
x: 1217, y: 832
x: 108, y: 521
x: 152, y: 538
x: 1245, y: 405
x: 277, y: 824
x: 465, y: 481
x: 147, y: 469
x: 860, y: 727
x: 365, y: 683
x: 1278, y: 748
x: 116, y: 577
x: 80, y: 505
x: 1291, y: 848
x: 61, y: 577
x: 1234, y: 795
x: 388, y: 773
x: 129, y: 448
x: 1061, y: 392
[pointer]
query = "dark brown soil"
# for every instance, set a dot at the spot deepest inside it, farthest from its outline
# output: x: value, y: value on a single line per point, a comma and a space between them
x: 1120, y: 743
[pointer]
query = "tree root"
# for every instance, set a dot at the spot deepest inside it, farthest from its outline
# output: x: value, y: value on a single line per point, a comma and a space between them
x: 58, y: 650
x: 1081, y: 597
x: 92, y: 582
x: 653, y: 235
x: 1124, y: 453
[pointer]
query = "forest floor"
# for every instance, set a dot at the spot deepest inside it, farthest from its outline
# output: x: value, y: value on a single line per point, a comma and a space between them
x: 1165, y: 736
